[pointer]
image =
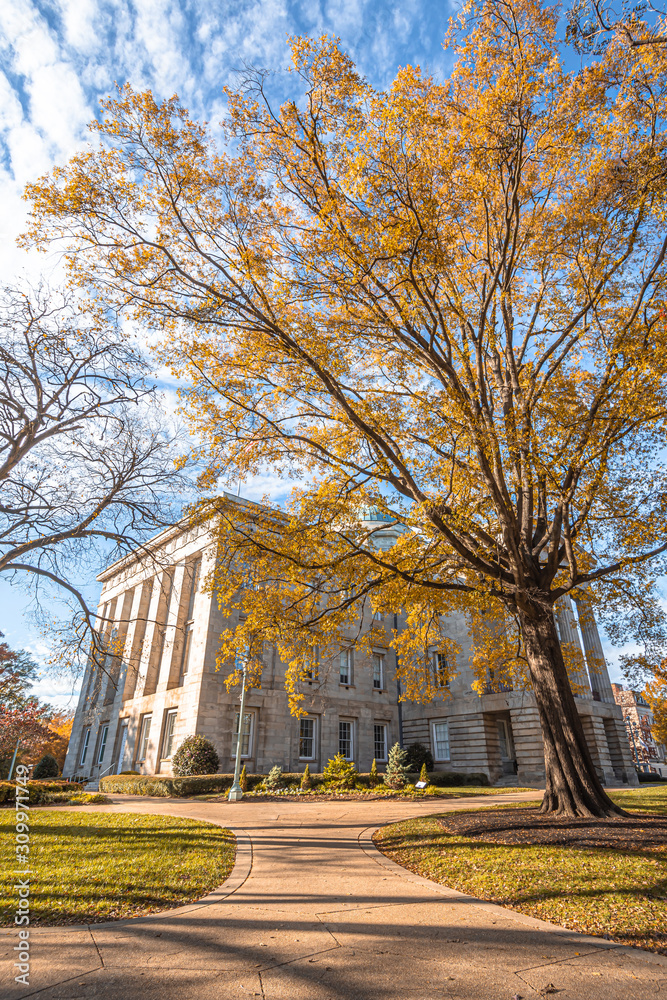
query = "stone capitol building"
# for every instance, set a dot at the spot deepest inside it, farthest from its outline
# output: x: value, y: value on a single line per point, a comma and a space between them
x: 161, y: 685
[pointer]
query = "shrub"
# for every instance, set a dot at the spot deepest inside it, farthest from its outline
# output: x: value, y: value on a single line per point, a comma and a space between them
x: 397, y: 772
x: 243, y: 779
x: 306, y: 783
x: 453, y: 779
x: 274, y: 778
x: 47, y: 767
x: 374, y: 777
x: 644, y: 777
x: 39, y: 791
x: 196, y: 755
x: 339, y: 773
x: 423, y: 774
x: 87, y: 799
x: 130, y: 772
x: 417, y: 756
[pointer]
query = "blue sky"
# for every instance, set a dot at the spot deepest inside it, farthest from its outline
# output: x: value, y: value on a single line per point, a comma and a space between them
x: 58, y: 58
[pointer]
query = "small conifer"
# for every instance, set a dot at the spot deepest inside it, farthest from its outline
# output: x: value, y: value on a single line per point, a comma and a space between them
x: 396, y: 775
x: 243, y: 780
x: 423, y: 774
x: 306, y: 781
x: 374, y: 776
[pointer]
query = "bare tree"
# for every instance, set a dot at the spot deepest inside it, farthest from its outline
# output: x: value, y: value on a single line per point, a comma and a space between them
x: 86, y: 468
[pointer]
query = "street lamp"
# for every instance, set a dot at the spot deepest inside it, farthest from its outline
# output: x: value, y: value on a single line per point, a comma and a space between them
x: 236, y: 792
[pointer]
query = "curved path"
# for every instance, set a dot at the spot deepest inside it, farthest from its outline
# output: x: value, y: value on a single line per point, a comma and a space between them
x: 312, y: 911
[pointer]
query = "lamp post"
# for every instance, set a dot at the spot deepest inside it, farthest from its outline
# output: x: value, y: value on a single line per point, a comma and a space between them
x: 11, y: 766
x: 236, y: 792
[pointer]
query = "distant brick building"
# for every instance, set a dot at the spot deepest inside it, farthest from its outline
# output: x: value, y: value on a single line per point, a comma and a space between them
x: 638, y: 719
x: 163, y: 685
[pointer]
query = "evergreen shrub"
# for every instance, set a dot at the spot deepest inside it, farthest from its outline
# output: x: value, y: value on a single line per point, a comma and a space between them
x: 196, y: 755
x: 374, y: 777
x: 274, y: 778
x: 47, y: 767
x: 396, y: 775
x: 417, y: 756
x: 340, y: 774
x: 306, y: 781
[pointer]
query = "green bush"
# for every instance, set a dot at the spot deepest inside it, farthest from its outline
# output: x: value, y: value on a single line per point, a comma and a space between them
x: 374, y: 777
x: 396, y: 775
x: 88, y: 799
x: 644, y: 777
x: 38, y: 790
x: 243, y: 779
x: 340, y: 774
x: 47, y: 767
x: 195, y: 756
x: 274, y: 778
x: 306, y: 781
x: 417, y: 756
x: 454, y: 779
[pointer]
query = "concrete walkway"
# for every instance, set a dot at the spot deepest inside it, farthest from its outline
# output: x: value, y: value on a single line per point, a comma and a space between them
x: 313, y: 912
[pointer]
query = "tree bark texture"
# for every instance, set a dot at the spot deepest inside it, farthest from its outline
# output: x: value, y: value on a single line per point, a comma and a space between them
x: 573, y: 787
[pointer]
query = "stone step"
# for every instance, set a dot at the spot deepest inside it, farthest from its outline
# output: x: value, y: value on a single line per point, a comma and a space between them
x: 92, y: 786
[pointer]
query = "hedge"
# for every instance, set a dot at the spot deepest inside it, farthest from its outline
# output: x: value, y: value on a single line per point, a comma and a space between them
x: 130, y: 784
x: 39, y: 791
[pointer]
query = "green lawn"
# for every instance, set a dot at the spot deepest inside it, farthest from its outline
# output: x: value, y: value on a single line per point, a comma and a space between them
x: 88, y: 867
x: 616, y: 894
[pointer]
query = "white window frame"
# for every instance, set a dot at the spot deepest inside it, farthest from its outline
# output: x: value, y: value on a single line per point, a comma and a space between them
x: 434, y: 740
x: 84, y: 748
x: 104, y: 736
x: 436, y: 655
x: 346, y: 654
x: 377, y: 655
x: 313, y: 738
x: 168, y: 736
x: 251, y: 734
x: 144, y: 737
x: 380, y: 725
x: 350, y: 723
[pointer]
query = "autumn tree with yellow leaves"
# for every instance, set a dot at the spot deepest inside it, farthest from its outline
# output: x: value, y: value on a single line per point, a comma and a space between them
x: 442, y: 302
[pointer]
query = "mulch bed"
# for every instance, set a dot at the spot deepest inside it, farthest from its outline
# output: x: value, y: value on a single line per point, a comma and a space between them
x: 529, y: 826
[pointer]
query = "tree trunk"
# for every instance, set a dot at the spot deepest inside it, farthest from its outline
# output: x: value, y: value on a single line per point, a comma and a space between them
x: 572, y: 786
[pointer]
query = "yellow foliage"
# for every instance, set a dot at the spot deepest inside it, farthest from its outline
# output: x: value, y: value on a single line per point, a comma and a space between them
x: 442, y: 302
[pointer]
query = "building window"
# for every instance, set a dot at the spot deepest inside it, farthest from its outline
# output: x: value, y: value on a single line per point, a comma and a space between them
x: 378, y: 671
x: 345, y: 742
x: 380, y: 741
x: 311, y: 664
x: 441, y: 740
x: 84, y: 749
x: 144, y: 737
x: 440, y: 669
x: 345, y: 666
x: 246, y: 735
x: 168, y: 740
x: 103, y: 743
x: 307, y: 739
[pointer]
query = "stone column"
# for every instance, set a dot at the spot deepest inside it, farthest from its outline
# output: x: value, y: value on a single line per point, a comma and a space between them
x: 569, y: 634
x: 172, y: 643
x: 132, y: 651
x: 595, y: 661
